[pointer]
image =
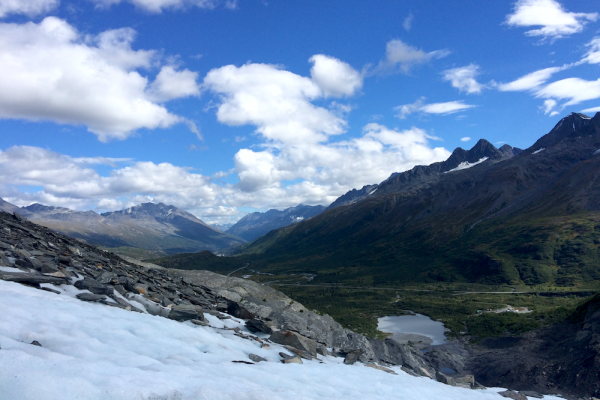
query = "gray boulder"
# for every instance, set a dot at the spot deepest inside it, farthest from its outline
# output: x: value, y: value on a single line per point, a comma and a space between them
x: 256, y: 358
x: 186, y: 312
x: 90, y: 297
x: 93, y: 286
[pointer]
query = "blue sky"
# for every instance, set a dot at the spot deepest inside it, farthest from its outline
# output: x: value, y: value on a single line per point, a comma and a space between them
x: 226, y: 107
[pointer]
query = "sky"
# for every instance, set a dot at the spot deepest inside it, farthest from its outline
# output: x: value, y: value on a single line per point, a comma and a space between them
x: 225, y: 107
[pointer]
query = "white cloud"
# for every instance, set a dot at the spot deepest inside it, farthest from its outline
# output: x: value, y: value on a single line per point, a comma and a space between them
x: 399, y: 55
x: 574, y: 90
x: 593, y: 54
x: 465, y: 139
x: 463, y: 78
x: 30, y: 8
x: 450, y: 107
x: 554, y: 20
x: 407, y: 23
x: 274, y: 100
x: 531, y: 81
x: 591, y: 110
x: 171, y: 84
x: 549, y: 106
x: 48, y: 71
x: 157, y: 6
x: 334, y: 77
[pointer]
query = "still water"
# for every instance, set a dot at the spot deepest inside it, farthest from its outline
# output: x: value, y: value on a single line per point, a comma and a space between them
x: 413, y: 324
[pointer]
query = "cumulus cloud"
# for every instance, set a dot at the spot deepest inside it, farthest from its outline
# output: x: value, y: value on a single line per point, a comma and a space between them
x: 419, y: 106
x: 554, y: 20
x: 49, y: 71
x: 171, y: 84
x: 31, y: 8
x: 158, y: 6
x: 278, y: 102
x: 403, y: 57
x: 532, y: 80
x: 334, y: 77
x: 463, y: 78
x: 297, y: 162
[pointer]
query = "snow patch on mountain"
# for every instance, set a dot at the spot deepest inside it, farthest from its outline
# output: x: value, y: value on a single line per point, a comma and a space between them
x: 466, y: 165
x: 539, y: 150
x: 596, y: 152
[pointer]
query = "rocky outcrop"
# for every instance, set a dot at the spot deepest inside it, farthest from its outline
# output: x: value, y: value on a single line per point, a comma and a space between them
x: 283, y: 315
x: 38, y: 256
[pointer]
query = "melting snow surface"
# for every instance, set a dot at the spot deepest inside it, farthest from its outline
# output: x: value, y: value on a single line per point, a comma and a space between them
x: 538, y: 150
x: 466, y: 164
x: 92, y: 351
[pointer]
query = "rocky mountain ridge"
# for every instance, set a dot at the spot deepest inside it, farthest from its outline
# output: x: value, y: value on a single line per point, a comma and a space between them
x: 490, y: 223
x: 158, y: 228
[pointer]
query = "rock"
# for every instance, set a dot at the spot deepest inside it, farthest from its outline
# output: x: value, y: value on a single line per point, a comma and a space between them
x: 531, y: 393
x: 466, y: 381
x: 304, y: 354
x: 93, y: 286
x: 255, y: 325
x: 50, y: 290
x: 295, y: 340
x: 352, y: 357
x: 198, y: 322
x: 264, y: 346
x: 36, y: 343
x: 445, y: 379
x: 513, y: 395
x: 292, y: 360
x: 90, y: 297
x: 322, y: 350
x: 185, y: 312
x: 408, y: 371
x: 379, y: 367
x: 256, y: 358
x: 47, y: 268
x: 284, y: 355
x: 30, y: 278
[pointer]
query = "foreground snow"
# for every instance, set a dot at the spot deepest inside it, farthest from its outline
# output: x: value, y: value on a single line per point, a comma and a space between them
x: 92, y: 351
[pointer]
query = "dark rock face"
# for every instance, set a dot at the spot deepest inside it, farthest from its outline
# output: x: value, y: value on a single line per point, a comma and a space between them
x: 353, y: 196
x: 257, y: 224
x: 563, y: 358
x: 186, y: 312
x: 255, y: 325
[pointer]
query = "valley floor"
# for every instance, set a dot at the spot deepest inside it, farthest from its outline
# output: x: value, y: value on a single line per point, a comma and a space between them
x: 92, y: 351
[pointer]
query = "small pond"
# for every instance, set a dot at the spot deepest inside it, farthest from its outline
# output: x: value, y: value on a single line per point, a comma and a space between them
x: 410, y: 326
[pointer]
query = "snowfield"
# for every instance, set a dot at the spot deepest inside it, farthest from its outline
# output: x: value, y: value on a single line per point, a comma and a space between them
x: 93, y: 351
x: 467, y: 165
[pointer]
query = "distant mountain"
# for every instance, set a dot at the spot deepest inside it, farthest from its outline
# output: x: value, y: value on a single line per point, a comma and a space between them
x: 222, y: 227
x: 484, y: 215
x: 257, y: 224
x: 145, y: 230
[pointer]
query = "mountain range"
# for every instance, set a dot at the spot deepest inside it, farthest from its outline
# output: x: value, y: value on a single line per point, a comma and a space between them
x: 257, y: 224
x: 145, y: 230
x: 484, y: 215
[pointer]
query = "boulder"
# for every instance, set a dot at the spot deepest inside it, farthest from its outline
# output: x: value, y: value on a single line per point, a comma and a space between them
x: 90, y: 297
x: 466, y: 381
x: 255, y: 325
x: 445, y: 379
x: 510, y: 394
x: 30, y: 278
x: 292, y: 360
x: 186, y: 312
x: 93, y: 286
x: 256, y: 358
x: 304, y: 354
x: 352, y: 356
x: 295, y: 340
